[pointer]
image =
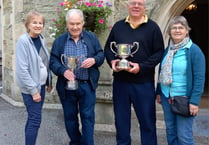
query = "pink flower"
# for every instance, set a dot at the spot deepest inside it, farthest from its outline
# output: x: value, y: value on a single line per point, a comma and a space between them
x: 93, y: 4
x: 99, y: 5
x: 101, y: 1
x: 101, y: 21
x: 61, y: 3
x: 58, y: 10
x: 87, y: 3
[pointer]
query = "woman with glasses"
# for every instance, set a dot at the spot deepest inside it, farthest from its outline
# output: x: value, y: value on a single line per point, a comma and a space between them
x: 182, y: 73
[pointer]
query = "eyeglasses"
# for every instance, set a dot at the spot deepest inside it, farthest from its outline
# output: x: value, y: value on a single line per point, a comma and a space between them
x: 136, y: 4
x: 180, y: 28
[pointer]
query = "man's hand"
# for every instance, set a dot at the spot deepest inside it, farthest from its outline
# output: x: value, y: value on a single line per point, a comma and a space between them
x: 114, y: 65
x: 134, y: 68
x: 49, y: 88
x: 69, y: 75
x: 87, y: 63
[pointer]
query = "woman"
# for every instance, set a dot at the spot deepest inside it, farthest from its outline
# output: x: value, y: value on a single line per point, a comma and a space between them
x: 182, y: 73
x: 32, y: 72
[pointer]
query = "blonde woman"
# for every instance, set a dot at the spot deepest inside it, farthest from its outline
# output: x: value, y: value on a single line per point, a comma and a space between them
x: 32, y: 72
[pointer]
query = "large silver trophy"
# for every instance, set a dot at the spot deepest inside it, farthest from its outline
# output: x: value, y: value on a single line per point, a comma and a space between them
x: 124, y: 51
x: 71, y: 62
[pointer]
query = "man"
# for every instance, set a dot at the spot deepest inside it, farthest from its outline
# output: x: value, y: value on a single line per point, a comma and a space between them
x: 83, y: 45
x: 135, y: 85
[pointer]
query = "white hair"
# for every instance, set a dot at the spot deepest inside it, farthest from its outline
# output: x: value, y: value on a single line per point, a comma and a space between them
x: 130, y: 0
x: 71, y: 12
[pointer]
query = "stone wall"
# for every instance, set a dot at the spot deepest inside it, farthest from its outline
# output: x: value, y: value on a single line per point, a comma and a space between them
x: 12, y: 16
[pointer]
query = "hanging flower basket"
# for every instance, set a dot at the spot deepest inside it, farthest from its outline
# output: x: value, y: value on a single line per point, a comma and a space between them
x: 95, y: 12
x: 90, y: 18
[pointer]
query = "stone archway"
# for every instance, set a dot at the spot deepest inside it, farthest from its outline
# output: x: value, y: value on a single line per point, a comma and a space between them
x: 167, y: 11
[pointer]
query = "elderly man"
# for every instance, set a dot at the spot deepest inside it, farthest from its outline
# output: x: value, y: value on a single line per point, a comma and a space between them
x: 78, y: 98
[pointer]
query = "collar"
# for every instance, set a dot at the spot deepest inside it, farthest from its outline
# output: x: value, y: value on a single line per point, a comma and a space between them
x: 69, y: 36
x: 127, y: 20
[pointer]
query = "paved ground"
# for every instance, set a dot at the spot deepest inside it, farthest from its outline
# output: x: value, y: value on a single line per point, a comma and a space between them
x: 52, y: 131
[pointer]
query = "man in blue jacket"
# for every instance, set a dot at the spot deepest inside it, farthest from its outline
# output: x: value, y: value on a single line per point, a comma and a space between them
x: 86, y: 47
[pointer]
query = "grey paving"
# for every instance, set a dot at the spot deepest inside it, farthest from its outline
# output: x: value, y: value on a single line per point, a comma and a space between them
x: 52, y: 131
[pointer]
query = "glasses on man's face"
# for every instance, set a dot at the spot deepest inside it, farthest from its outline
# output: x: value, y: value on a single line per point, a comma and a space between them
x: 180, y: 28
x: 136, y: 4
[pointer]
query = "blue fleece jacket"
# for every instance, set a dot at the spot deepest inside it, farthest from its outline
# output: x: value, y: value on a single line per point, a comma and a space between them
x: 195, y: 74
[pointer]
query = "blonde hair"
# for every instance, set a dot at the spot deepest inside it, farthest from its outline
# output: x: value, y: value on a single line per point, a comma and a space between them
x: 30, y: 16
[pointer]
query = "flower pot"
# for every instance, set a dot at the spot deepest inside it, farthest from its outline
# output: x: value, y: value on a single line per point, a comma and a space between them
x: 90, y: 21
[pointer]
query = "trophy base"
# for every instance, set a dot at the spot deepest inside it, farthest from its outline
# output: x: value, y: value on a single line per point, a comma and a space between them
x: 72, y: 85
x: 123, y: 64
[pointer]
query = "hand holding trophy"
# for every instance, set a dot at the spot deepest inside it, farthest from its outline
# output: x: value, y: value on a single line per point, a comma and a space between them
x: 124, y: 51
x: 71, y: 62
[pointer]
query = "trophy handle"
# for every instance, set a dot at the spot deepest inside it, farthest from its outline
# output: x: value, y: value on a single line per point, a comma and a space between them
x: 137, y: 48
x: 113, y: 43
x: 62, y: 57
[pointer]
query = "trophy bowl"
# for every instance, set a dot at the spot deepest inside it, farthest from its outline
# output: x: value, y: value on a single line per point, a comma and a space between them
x: 71, y: 62
x: 123, y: 51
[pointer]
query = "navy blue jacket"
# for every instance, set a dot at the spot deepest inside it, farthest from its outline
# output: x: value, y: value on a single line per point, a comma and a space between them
x: 94, y: 50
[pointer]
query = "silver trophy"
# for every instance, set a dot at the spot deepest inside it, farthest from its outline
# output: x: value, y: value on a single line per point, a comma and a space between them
x: 71, y: 62
x: 124, y: 51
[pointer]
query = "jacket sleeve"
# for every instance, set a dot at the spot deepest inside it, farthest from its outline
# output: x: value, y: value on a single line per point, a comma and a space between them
x: 198, y: 75
x: 94, y: 48
x: 55, y: 63
x: 99, y: 54
x: 23, y: 75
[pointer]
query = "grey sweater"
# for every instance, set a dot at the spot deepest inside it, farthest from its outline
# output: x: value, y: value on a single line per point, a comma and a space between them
x: 28, y: 62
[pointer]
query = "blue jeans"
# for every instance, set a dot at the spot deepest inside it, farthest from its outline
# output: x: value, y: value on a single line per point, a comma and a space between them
x: 178, y: 128
x: 142, y: 96
x: 80, y: 101
x: 34, y: 110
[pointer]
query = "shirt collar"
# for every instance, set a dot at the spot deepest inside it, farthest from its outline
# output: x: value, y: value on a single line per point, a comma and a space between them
x: 69, y: 36
x: 127, y: 20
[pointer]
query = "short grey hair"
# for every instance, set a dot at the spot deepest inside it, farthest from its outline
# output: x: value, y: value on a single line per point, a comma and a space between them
x: 71, y: 12
x: 176, y: 20
x: 130, y: 1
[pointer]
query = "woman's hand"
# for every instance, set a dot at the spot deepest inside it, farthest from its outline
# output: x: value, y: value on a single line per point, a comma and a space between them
x: 36, y: 97
x: 193, y: 109
x: 158, y: 99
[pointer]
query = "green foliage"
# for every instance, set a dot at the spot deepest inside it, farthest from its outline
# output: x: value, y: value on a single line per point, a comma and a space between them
x: 95, y: 12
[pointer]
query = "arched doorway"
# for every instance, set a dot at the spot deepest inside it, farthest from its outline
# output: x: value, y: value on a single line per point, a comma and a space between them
x: 197, y: 17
